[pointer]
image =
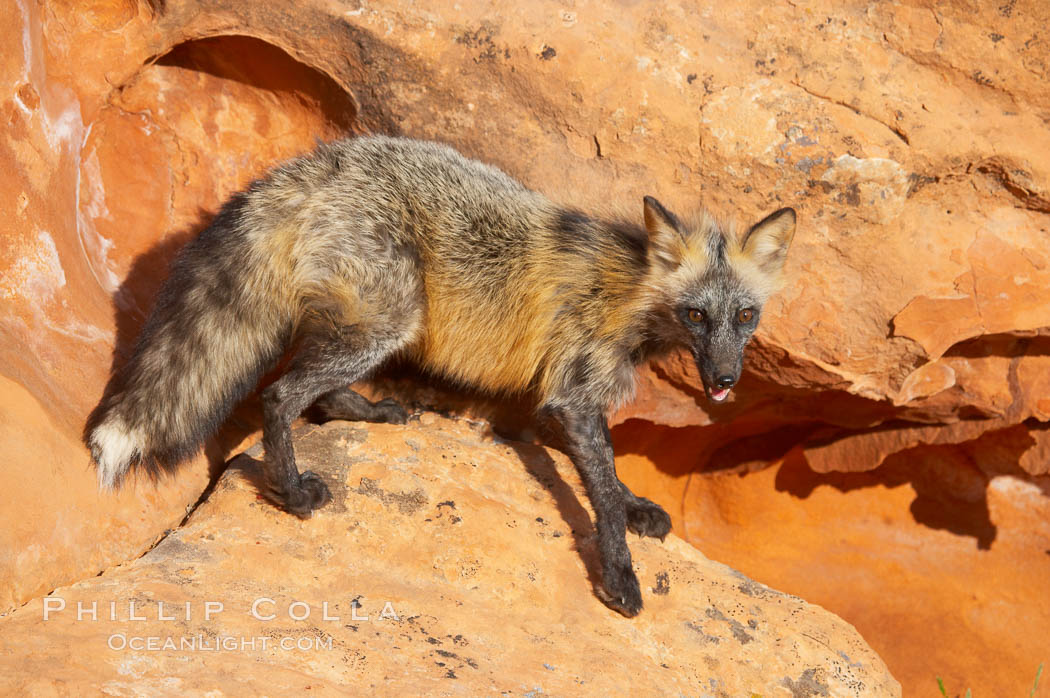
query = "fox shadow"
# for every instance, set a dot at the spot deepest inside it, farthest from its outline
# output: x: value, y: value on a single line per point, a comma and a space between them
x: 949, y: 481
x: 962, y: 511
x: 512, y: 421
x: 539, y: 464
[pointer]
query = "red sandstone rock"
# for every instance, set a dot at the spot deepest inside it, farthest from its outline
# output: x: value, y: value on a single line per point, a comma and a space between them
x: 936, y: 563
x: 451, y: 570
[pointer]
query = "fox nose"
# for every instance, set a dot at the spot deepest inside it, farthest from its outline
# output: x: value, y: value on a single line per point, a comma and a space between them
x: 725, y: 382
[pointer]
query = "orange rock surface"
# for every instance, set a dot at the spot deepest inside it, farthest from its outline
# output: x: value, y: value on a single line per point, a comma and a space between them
x: 446, y: 564
x: 915, y: 321
x: 939, y: 556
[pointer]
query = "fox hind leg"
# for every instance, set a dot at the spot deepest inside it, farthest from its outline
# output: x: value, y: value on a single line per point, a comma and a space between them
x: 344, y: 403
x: 325, y: 364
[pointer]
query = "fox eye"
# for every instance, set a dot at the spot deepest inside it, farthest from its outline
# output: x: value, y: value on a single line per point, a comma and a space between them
x: 695, y: 316
x: 745, y: 315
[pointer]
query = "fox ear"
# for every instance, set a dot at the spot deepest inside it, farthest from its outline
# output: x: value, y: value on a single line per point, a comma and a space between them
x: 665, y: 230
x: 767, y: 241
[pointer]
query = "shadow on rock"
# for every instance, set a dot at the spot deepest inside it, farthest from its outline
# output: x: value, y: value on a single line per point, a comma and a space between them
x: 541, y: 466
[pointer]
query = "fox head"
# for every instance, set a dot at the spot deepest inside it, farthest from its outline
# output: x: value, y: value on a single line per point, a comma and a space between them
x: 712, y: 284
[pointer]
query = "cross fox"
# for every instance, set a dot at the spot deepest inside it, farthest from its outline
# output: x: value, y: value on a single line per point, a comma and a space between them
x: 376, y: 247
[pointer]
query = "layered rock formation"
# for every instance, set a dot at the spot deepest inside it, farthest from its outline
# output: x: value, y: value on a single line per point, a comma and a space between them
x: 439, y: 568
x: 908, y: 351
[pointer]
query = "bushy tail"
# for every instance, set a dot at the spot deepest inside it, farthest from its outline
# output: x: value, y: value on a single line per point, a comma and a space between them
x: 216, y: 328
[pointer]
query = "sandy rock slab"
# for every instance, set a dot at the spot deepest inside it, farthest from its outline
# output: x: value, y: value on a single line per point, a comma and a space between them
x: 448, y: 563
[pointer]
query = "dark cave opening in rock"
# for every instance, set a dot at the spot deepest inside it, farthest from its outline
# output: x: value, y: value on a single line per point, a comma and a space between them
x: 254, y: 62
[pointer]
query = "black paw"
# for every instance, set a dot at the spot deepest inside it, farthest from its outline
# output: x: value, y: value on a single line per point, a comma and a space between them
x: 387, y: 410
x: 647, y: 518
x: 620, y: 591
x: 311, y: 494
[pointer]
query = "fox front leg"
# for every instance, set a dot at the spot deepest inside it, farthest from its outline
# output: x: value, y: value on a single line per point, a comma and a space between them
x: 590, y: 447
x: 645, y: 517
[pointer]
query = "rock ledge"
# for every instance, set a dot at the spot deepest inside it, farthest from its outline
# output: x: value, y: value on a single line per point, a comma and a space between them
x: 449, y: 562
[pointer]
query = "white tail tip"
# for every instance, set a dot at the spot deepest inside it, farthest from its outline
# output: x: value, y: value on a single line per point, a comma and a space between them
x: 114, y: 447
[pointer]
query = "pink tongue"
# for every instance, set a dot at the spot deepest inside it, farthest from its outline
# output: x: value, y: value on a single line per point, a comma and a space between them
x: 719, y: 395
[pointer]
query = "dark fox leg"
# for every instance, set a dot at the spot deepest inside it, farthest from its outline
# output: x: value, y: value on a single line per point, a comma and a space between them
x: 347, y: 404
x: 323, y: 364
x: 590, y: 447
x: 645, y: 517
